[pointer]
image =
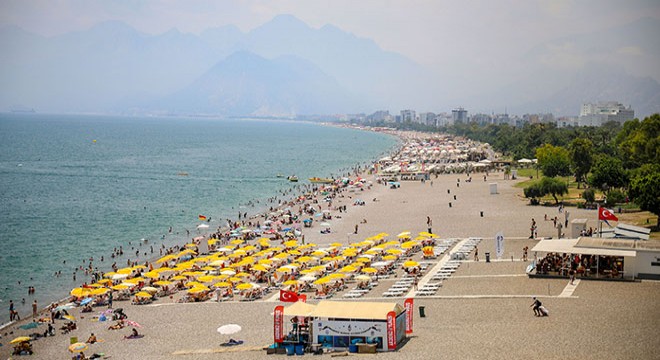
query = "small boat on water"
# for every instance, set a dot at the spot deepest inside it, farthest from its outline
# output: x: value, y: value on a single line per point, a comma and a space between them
x: 318, y: 180
x: 280, y: 175
x: 292, y: 178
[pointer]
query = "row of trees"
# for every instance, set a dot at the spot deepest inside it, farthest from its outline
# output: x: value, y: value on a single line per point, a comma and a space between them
x: 622, y: 161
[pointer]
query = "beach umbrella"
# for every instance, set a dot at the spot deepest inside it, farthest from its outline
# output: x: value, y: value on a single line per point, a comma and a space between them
x: 162, y: 283
x: 326, y: 224
x: 336, y: 276
x: 67, y: 306
x: 69, y: 317
x: 244, y: 286
x: 86, y: 301
x: 229, y: 329
x: 20, y: 339
x: 237, y: 242
x: 410, y: 263
x: 143, y: 294
x: 405, y: 234
x: 229, y: 272
x: 308, y: 277
x: 321, y: 281
x: 363, y: 278
x: 150, y: 290
x: 179, y: 277
x: 79, y: 292
x: 259, y: 267
x: 119, y: 277
x: 291, y: 282
x: 30, y: 325
x: 165, y: 259
x: 202, y: 226
x: 100, y: 291
x: 152, y: 275
x: 223, y: 284
x: 369, y: 270
x: 291, y: 243
x: 78, y: 347
x: 119, y: 287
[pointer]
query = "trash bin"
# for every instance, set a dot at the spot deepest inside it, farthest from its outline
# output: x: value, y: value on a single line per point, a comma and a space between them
x: 290, y: 349
x: 487, y: 257
x: 300, y: 349
x: 352, y: 348
x: 421, y: 311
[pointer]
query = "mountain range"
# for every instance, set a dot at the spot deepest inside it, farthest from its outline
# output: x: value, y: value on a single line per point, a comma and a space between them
x: 282, y: 68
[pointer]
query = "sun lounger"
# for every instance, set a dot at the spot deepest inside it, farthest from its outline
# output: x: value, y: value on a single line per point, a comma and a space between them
x: 425, y: 293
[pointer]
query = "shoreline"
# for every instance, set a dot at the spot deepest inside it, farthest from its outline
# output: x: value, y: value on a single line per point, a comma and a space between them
x: 177, y: 239
x: 459, y: 316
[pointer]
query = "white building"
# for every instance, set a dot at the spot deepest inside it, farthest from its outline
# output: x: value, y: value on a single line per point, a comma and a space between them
x: 596, y: 114
x: 459, y: 115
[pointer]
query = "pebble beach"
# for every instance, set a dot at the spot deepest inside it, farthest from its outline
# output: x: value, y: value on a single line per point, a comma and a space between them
x: 481, y: 312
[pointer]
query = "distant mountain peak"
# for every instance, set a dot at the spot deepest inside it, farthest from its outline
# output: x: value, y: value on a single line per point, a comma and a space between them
x: 284, y: 22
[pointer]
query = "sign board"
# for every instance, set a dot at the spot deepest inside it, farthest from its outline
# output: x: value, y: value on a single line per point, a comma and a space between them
x: 408, y: 305
x: 278, y: 324
x: 391, y: 330
x: 499, y: 245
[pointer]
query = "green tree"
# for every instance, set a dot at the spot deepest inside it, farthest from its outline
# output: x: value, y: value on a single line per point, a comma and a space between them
x: 547, y: 186
x: 639, y: 142
x: 553, y: 160
x: 581, y: 157
x: 554, y: 187
x: 645, y: 191
x: 608, y: 173
x: 589, y: 195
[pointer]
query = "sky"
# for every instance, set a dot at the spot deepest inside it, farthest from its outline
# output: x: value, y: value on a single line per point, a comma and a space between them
x: 486, y: 41
x: 426, y: 30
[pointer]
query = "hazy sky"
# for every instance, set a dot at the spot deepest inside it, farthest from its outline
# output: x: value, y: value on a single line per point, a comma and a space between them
x: 426, y: 31
x: 474, y: 48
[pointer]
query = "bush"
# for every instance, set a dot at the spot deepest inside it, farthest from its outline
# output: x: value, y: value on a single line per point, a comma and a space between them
x: 616, y: 197
x: 589, y: 195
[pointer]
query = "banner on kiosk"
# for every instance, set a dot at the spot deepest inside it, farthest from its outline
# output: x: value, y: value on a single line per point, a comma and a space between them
x: 278, y: 324
x: 408, y: 305
x: 391, y: 330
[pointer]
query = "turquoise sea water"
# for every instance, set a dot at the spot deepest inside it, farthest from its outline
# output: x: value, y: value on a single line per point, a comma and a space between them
x: 74, y: 187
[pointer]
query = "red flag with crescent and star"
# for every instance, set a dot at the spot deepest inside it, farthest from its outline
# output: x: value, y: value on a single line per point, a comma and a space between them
x: 606, y: 214
x: 288, y: 296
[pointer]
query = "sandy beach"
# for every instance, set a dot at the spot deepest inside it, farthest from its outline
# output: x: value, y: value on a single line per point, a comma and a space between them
x: 481, y: 312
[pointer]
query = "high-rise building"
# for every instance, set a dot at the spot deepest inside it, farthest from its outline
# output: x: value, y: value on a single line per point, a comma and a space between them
x: 596, y: 114
x: 459, y: 115
x: 408, y: 115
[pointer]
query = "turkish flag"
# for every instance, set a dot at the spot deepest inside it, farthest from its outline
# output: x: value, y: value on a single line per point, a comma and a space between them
x: 606, y: 214
x: 288, y: 296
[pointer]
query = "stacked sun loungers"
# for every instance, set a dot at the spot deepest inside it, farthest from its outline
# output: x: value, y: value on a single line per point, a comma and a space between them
x: 428, y: 289
x: 446, y: 270
x: 355, y: 293
x: 468, y: 247
x: 400, y: 287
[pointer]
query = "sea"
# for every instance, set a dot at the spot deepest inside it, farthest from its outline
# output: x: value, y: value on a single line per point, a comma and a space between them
x: 75, y: 187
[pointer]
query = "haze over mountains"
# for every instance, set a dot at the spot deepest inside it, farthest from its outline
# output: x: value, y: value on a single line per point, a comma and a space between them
x: 286, y: 68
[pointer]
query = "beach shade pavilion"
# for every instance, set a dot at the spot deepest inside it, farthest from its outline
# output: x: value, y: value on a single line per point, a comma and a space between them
x: 342, y: 325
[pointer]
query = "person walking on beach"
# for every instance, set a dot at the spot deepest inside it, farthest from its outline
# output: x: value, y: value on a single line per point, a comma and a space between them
x: 476, y: 253
x: 536, y: 305
x: 34, y: 308
x: 11, y: 310
x: 356, y: 229
x: 429, y: 224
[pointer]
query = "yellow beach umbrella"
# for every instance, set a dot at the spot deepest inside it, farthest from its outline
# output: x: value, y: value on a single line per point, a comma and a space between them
x: 394, y: 251
x: 291, y: 282
x: 222, y: 284
x: 291, y: 243
x: 363, y: 259
x: 134, y: 280
x: 218, y: 262
x: 143, y: 294
x: 242, y: 274
x: 139, y: 267
x: 193, y: 284
x: 125, y: 271
x: 120, y: 287
x: 197, y: 290
x: 304, y: 259
x: 20, y: 339
x: 165, y: 259
x: 337, y: 244
x: 162, y: 283
x: 294, y: 252
x: 410, y: 263
x: 236, y: 242
x: 405, y: 234
x: 389, y: 257
x: 208, y: 268
x: 105, y: 282
x: 321, y: 281
x: 244, y: 286
x: 151, y: 275
x: 235, y: 279
x: 79, y: 292
x: 348, y: 269
x: 260, y: 267
x: 336, y: 276
x: 99, y: 291
x: 179, y: 277
x: 369, y: 270
x: 206, y: 278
